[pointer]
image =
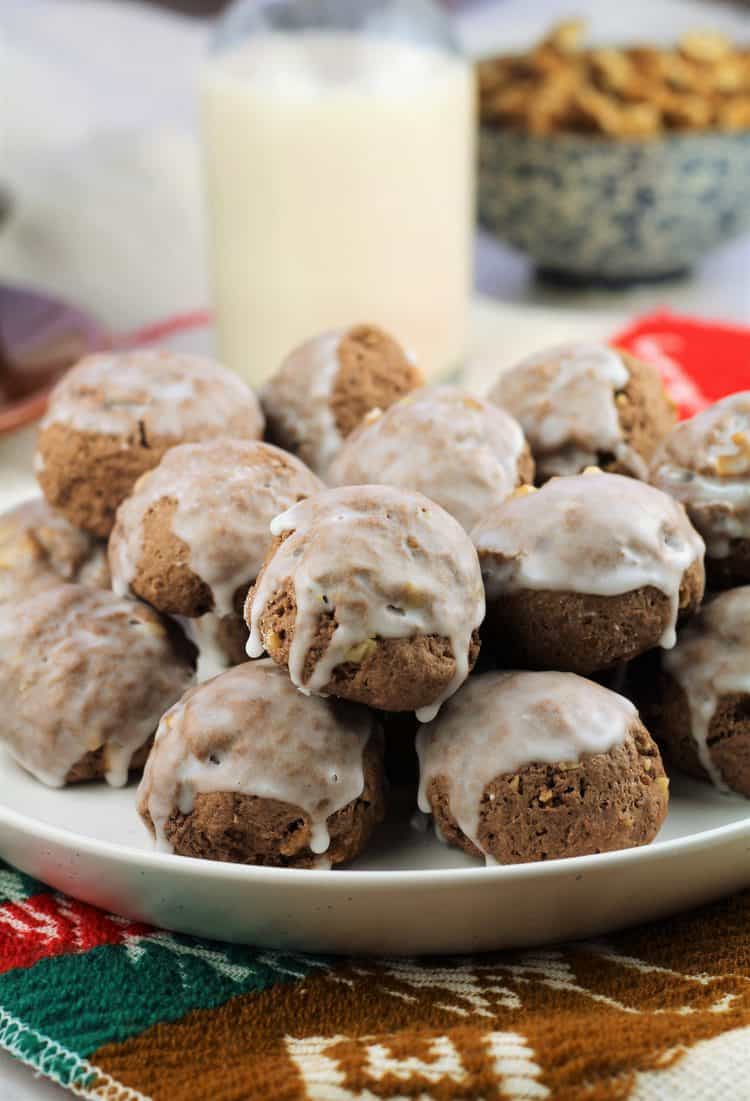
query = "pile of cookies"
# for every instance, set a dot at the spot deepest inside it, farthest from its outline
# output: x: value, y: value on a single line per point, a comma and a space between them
x: 635, y: 92
x: 406, y: 567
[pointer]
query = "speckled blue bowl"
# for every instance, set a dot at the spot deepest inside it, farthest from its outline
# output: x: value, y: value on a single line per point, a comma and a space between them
x: 593, y: 209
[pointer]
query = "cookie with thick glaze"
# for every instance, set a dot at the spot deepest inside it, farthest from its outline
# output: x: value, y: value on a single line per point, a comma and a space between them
x: 586, y: 405
x: 246, y: 769
x: 371, y: 594
x: 193, y: 535
x: 587, y: 572
x: 85, y: 677
x: 705, y: 464
x: 327, y: 386
x: 697, y: 698
x: 39, y: 549
x: 112, y: 417
x: 522, y: 767
x: 460, y: 451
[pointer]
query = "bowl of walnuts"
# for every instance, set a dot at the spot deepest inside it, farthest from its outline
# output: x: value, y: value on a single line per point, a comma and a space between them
x: 615, y: 164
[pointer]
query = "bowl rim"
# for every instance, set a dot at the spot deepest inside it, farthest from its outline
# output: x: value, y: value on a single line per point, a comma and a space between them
x: 570, y: 138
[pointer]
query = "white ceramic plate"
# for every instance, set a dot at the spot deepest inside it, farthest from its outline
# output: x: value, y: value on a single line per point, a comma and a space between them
x: 408, y: 895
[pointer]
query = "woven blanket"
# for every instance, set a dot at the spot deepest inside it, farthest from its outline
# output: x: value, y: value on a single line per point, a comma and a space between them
x: 120, y: 1011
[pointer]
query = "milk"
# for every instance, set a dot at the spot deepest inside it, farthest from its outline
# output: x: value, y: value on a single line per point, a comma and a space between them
x: 340, y: 179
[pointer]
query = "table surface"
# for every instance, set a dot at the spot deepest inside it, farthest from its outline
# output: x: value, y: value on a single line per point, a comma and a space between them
x: 17, y: 1083
x: 84, y: 116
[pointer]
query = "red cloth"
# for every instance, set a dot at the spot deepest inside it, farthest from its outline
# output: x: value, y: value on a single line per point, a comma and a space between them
x: 700, y: 361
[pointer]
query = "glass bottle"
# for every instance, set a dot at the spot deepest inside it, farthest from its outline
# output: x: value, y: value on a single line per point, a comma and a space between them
x: 338, y: 140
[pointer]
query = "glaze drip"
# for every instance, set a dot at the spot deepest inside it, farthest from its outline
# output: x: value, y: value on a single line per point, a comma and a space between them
x: 705, y: 464
x: 604, y: 534
x: 224, y: 495
x: 460, y: 451
x: 499, y: 723
x: 383, y: 563
x: 205, y: 634
x: 565, y: 400
x: 248, y: 731
x: 303, y: 413
x: 711, y: 660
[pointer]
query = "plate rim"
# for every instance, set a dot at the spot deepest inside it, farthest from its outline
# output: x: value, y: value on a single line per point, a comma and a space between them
x: 349, y: 877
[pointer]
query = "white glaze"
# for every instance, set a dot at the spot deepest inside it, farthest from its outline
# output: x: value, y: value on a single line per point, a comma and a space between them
x: 604, y: 534
x: 564, y: 398
x: 159, y: 393
x: 248, y: 731
x: 39, y: 548
x: 705, y: 463
x: 460, y: 451
x: 499, y: 723
x: 225, y: 494
x: 711, y: 660
x: 204, y: 633
x: 298, y: 400
x: 79, y: 670
x: 387, y: 563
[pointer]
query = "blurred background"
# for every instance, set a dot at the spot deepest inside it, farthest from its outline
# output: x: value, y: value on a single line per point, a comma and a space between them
x: 100, y: 174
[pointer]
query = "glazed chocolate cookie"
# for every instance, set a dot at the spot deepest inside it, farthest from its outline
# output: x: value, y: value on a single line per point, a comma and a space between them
x: 705, y: 463
x: 328, y: 385
x: 246, y: 769
x: 112, y: 417
x: 698, y: 702
x: 372, y: 594
x: 39, y: 549
x: 536, y: 766
x: 586, y: 405
x: 587, y: 572
x: 461, y: 451
x: 84, y: 679
x: 192, y: 537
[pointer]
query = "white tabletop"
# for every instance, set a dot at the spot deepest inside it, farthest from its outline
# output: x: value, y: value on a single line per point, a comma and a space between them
x: 18, y: 1083
x: 85, y: 119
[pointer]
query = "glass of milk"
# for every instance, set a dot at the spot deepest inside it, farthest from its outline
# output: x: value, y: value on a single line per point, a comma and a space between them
x: 338, y: 140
